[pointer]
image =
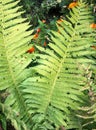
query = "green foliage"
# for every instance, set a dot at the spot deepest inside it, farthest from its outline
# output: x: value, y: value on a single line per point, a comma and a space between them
x: 56, y: 93
x: 42, y: 31
x: 14, y: 42
x: 53, y: 96
x: 46, y: 9
x: 40, y: 9
x: 88, y: 112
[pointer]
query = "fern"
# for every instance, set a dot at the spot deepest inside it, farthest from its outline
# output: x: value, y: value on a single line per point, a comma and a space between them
x: 14, y: 41
x: 88, y: 112
x: 54, y: 96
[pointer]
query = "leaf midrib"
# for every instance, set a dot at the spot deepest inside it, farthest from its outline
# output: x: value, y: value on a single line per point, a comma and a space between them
x: 10, y: 70
x: 62, y: 61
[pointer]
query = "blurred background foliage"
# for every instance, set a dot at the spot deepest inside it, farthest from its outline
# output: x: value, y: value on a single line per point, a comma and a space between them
x: 46, y: 9
x: 43, y: 14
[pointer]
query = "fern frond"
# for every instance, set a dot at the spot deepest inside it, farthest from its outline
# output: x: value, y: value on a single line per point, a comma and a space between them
x: 88, y: 112
x: 14, y: 42
x: 55, y: 94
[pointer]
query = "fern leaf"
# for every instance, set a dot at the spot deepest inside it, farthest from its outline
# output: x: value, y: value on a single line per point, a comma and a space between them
x: 55, y: 94
x: 14, y: 42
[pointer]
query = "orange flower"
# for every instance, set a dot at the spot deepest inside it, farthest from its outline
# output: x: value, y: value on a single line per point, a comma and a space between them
x: 94, y: 47
x: 59, y: 20
x: 43, y: 21
x: 38, y: 30
x: 31, y: 50
x: 35, y: 36
x: 72, y: 5
x: 93, y: 25
x: 45, y: 44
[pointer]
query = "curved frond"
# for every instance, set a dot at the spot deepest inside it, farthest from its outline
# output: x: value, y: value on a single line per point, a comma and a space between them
x: 55, y: 95
x: 14, y: 42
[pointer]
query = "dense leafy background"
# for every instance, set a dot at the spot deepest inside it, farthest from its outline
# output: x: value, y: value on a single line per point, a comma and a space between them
x: 46, y: 9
